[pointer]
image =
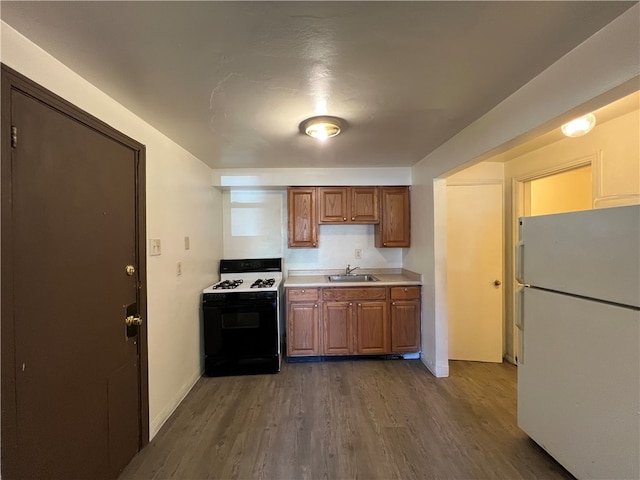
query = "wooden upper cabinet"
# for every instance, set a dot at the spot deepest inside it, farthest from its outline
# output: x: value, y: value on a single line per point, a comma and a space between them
x: 303, y: 224
x: 333, y: 204
x: 394, y: 229
x: 348, y: 205
x: 365, y: 206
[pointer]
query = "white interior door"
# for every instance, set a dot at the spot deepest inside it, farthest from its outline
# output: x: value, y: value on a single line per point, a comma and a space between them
x: 474, y: 272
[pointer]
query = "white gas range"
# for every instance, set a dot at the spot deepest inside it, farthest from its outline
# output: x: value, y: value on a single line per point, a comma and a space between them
x: 242, y: 318
x: 243, y: 282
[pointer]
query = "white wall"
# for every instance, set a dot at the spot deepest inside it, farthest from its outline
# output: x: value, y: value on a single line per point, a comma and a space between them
x: 180, y: 202
x: 255, y: 225
x: 603, y: 68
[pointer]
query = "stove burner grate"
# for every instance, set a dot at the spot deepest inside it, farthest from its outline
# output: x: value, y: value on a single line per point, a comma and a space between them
x: 228, y: 284
x: 260, y: 283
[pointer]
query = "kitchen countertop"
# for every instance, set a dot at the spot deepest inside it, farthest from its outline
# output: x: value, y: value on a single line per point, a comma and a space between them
x: 318, y: 278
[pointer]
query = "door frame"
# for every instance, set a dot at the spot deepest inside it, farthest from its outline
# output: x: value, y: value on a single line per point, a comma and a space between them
x: 12, y: 80
x: 517, y: 210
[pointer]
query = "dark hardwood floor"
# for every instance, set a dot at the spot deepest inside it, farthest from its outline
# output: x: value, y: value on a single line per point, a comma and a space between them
x: 364, y: 419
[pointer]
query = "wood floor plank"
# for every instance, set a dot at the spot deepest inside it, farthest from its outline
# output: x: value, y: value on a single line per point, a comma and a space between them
x: 361, y: 419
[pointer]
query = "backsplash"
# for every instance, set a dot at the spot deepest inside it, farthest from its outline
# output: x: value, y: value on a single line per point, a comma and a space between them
x: 337, y: 245
x: 255, y: 226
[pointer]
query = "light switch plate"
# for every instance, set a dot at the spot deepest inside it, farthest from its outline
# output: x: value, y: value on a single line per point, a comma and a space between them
x: 154, y: 247
x: 358, y: 253
x: 187, y: 243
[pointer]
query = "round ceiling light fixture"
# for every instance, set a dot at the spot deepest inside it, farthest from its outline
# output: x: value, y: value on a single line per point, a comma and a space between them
x: 322, y: 127
x: 579, y: 126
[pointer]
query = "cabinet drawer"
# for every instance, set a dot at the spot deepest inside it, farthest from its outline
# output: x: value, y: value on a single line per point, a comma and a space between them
x: 405, y: 293
x: 302, y: 294
x: 364, y: 293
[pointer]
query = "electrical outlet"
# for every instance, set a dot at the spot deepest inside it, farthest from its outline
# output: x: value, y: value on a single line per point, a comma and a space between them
x: 179, y: 269
x: 358, y: 253
x: 154, y: 247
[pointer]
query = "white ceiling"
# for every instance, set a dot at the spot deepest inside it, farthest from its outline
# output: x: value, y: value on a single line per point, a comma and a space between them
x: 231, y: 81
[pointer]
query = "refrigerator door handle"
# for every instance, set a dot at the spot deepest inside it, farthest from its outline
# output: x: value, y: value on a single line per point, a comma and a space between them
x: 519, y: 321
x: 519, y: 307
x: 520, y: 262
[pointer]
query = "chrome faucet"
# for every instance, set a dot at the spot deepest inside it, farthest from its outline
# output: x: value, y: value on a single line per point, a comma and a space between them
x: 349, y: 269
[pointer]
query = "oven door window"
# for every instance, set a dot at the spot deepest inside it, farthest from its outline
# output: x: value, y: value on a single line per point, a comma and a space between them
x: 241, y: 330
x: 236, y: 319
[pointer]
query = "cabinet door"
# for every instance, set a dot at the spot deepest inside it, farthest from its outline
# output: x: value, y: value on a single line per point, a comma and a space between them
x: 303, y: 329
x: 372, y: 328
x: 303, y: 225
x: 405, y: 326
x: 364, y: 205
x: 394, y: 229
x: 338, y: 328
x: 333, y: 204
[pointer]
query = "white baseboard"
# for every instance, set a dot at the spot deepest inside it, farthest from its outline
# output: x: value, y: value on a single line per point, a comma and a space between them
x: 156, y: 424
x: 439, y: 371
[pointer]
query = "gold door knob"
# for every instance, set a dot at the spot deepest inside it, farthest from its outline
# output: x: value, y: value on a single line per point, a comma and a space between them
x: 133, y: 320
x: 130, y: 270
x: 497, y: 283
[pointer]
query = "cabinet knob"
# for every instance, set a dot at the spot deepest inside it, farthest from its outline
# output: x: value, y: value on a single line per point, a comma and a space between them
x: 404, y: 290
x: 353, y: 218
x: 315, y: 306
x: 359, y: 304
x: 393, y: 303
x: 302, y: 291
x: 314, y: 244
x: 350, y: 304
x: 344, y: 219
x: 385, y: 244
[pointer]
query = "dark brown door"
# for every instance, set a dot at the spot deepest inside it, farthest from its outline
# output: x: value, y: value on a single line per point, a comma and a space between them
x: 74, y: 226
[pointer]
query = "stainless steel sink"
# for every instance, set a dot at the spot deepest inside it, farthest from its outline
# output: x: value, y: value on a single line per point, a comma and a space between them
x: 352, y: 278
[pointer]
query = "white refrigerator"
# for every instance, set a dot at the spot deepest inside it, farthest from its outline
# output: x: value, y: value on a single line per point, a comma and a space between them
x: 578, y: 319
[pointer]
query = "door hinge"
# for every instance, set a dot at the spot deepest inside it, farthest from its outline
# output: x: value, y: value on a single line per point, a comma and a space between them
x: 14, y: 136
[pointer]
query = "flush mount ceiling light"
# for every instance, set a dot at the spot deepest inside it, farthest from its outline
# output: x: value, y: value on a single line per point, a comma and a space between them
x: 322, y: 127
x: 579, y: 126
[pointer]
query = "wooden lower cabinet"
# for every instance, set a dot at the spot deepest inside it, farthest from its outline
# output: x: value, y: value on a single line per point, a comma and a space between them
x: 372, y: 328
x: 303, y: 323
x: 338, y: 328
x: 353, y: 321
x: 405, y: 319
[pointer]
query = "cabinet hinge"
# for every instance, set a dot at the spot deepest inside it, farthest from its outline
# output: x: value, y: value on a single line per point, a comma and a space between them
x: 14, y: 136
